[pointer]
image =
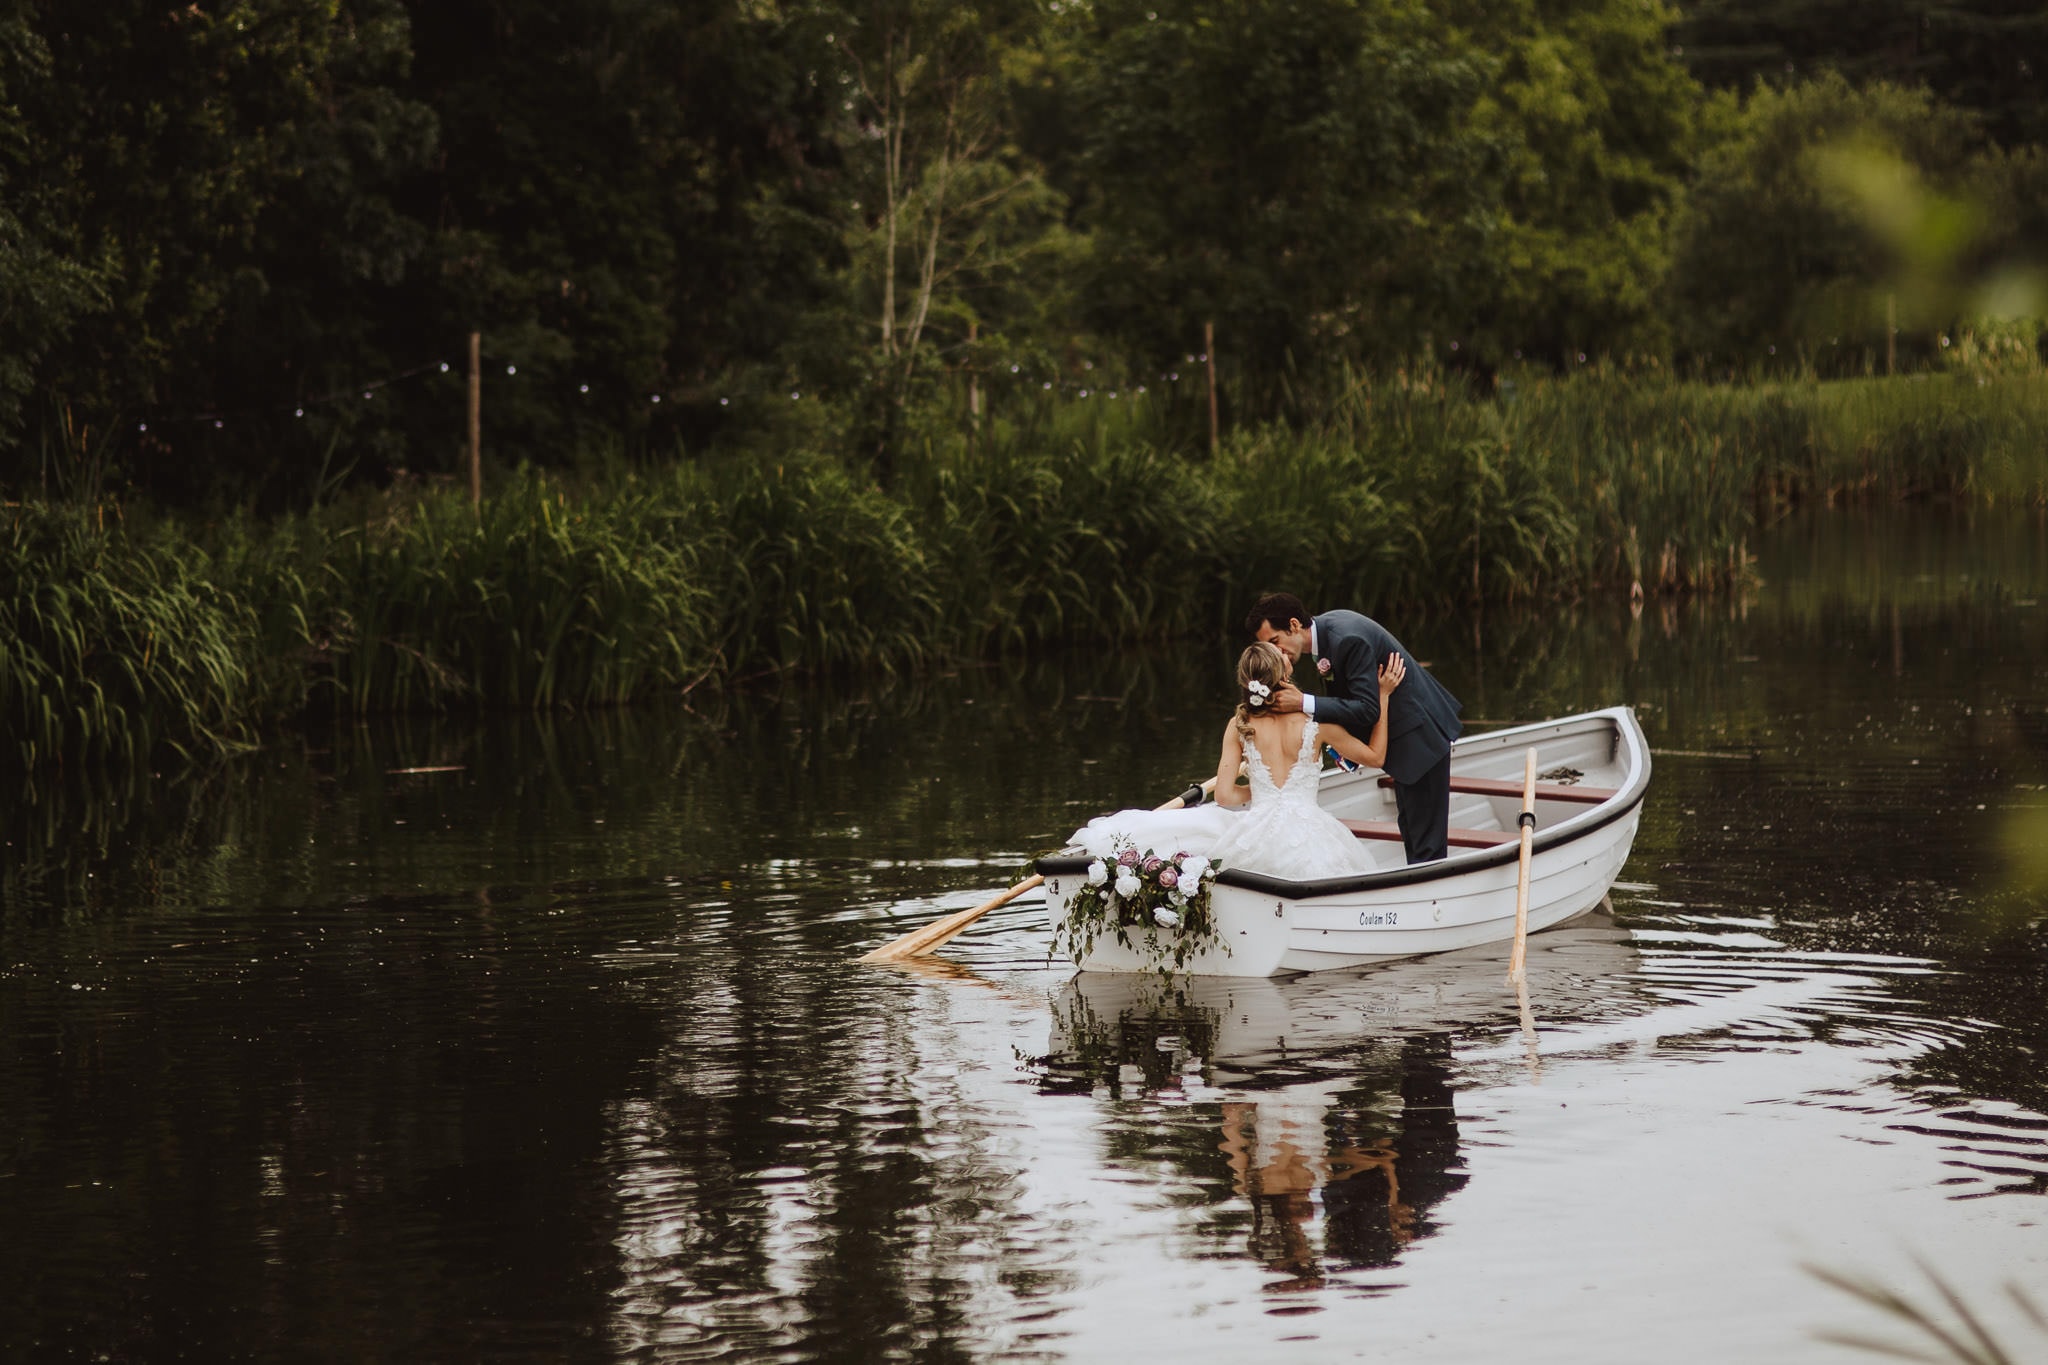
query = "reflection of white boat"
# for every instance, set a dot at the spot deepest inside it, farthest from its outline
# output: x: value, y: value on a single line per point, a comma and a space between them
x: 1334, y: 1094
x: 1586, y: 821
x: 1252, y: 1032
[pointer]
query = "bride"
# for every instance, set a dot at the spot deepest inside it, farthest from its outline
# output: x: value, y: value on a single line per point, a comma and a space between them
x: 1282, y: 832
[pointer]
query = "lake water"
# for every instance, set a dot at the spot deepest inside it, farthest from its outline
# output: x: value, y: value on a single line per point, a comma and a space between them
x: 542, y: 1039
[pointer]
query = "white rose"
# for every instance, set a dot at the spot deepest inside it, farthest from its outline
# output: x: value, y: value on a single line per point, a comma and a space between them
x: 1166, y: 919
x: 1126, y: 884
x: 1098, y: 873
x: 1194, y: 869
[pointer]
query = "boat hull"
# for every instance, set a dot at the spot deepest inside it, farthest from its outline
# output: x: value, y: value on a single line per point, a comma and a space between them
x: 1269, y: 927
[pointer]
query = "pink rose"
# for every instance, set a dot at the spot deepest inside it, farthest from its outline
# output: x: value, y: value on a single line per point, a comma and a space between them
x: 1169, y: 878
x: 1323, y: 667
x: 1127, y: 858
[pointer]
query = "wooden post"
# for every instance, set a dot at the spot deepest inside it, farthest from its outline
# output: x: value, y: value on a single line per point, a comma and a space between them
x: 973, y: 383
x: 1209, y: 355
x: 476, y: 420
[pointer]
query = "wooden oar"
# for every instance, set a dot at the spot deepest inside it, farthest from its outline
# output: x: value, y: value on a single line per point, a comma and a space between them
x: 918, y: 942
x: 1527, y: 820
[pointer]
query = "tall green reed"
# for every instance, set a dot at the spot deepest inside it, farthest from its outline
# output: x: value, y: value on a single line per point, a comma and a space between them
x: 1051, y: 522
x: 110, y: 646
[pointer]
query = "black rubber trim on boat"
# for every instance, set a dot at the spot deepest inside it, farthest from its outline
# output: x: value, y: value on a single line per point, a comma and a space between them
x: 1625, y: 803
x: 1527, y: 817
x: 1555, y: 837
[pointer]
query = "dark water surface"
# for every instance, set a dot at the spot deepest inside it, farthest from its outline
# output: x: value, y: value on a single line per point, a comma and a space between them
x: 560, y: 1053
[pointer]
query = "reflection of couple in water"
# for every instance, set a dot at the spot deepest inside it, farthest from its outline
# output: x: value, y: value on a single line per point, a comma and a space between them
x: 1290, y: 1149
x: 1375, y: 710
x: 1333, y: 1177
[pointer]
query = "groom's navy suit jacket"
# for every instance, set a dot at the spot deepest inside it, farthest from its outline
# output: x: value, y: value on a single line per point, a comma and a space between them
x: 1422, y: 715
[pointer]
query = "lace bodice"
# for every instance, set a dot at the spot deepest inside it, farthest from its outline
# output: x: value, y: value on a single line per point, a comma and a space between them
x: 1301, y: 778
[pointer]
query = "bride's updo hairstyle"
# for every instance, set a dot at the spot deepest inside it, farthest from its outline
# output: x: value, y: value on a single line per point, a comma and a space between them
x: 1261, y: 671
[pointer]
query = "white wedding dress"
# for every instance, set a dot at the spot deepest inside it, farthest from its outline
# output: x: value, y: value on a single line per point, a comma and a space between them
x: 1282, y: 833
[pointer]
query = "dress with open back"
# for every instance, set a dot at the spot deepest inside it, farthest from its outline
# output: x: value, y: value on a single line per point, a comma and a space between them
x: 1282, y: 833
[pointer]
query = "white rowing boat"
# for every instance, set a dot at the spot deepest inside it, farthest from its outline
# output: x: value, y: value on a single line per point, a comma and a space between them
x: 1593, y: 772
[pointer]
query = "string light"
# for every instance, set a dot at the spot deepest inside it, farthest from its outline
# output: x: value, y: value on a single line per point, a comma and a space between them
x: 368, y: 391
x: 511, y: 369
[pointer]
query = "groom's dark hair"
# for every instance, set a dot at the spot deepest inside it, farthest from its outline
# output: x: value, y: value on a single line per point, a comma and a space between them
x: 1276, y: 609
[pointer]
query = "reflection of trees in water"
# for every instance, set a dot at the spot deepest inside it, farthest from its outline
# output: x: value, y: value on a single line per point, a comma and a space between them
x: 808, y: 1173
x: 1337, y: 1146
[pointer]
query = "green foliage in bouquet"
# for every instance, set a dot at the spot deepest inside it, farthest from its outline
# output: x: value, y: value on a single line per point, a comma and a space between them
x: 1150, y: 903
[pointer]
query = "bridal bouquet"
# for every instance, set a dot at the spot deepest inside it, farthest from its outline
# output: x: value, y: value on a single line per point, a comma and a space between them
x: 1164, y: 900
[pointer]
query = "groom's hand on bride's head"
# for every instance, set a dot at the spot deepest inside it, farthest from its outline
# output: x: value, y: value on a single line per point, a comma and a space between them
x: 1286, y: 699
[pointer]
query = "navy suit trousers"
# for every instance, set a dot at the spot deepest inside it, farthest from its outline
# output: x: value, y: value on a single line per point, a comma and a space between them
x: 1423, y: 808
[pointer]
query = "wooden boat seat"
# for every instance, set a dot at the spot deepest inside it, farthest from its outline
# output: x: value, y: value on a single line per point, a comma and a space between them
x: 1459, y: 838
x: 1545, y: 791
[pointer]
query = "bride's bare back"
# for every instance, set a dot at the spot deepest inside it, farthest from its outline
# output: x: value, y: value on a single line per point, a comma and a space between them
x: 1279, y: 741
x: 1278, y: 738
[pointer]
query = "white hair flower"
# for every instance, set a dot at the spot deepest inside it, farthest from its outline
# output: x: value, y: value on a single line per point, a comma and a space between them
x: 1259, y: 693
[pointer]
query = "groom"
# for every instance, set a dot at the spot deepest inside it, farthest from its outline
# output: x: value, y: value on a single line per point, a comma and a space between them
x: 1422, y: 715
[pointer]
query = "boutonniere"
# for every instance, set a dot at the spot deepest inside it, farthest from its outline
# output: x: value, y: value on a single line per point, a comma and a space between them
x: 1323, y: 667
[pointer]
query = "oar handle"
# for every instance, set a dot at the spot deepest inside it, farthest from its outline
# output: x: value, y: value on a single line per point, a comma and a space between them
x: 1194, y: 796
x: 1526, y: 822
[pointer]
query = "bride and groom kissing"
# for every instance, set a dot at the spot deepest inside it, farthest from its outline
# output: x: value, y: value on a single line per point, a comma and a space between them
x: 1371, y: 706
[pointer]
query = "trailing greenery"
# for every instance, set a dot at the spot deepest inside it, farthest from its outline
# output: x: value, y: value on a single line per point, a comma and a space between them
x: 1068, y: 522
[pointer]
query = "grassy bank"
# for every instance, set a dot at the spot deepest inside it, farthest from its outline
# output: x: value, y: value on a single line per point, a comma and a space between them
x: 1063, y: 521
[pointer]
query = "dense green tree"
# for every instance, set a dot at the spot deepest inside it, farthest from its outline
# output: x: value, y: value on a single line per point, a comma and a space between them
x: 225, y: 171
x: 1597, y: 122
x: 954, y: 227
x: 1779, y: 256
x: 1302, y: 172
x: 1987, y: 56
x: 634, y: 201
x: 42, y: 292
